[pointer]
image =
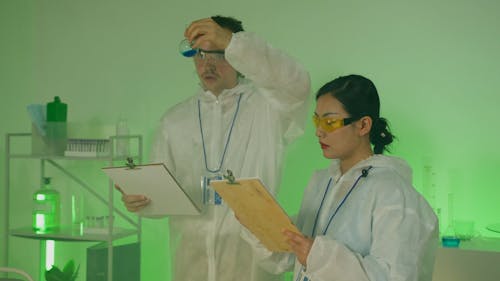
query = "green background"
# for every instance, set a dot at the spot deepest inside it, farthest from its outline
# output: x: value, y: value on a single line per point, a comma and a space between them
x: 436, y: 65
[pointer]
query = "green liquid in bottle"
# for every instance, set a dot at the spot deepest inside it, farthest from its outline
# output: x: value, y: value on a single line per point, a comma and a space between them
x: 46, y: 213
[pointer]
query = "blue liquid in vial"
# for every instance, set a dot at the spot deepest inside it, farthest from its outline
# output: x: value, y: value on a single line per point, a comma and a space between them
x: 450, y: 242
x: 189, y: 53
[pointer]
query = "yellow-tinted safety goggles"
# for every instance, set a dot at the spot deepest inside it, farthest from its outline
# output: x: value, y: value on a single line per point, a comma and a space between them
x: 331, y: 124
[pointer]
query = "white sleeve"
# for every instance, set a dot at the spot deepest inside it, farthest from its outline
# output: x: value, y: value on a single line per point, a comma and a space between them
x: 341, y: 262
x: 279, y: 78
x: 274, y: 263
x: 268, y: 67
x: 401, y: 250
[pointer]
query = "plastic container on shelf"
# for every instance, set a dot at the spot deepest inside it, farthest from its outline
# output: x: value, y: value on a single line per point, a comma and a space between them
x: 56, y: 127
x: 57, y: 111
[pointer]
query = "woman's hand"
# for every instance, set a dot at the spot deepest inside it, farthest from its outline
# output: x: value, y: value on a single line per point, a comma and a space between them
x: 300, y: 244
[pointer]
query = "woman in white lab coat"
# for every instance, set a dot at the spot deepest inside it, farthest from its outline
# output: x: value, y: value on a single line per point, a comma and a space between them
x: 361, y: 219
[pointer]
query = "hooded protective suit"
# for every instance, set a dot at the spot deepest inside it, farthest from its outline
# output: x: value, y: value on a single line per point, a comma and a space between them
x: 268, y: 109
x: 382, y: 230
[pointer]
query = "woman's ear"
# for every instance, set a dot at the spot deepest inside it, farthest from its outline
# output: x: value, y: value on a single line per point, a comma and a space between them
x: 365, y: 125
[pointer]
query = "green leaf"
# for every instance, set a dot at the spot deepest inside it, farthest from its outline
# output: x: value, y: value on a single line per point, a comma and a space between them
x: 68, y: 274
x: 73, y: 278
x: 54, y: 274
x: 68, y: 270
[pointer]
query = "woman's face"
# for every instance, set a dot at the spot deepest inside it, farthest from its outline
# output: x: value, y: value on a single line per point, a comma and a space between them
x: 336, y: 141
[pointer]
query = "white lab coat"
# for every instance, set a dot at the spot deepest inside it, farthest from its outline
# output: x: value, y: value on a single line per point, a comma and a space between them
x: 272, y: 112
x: 385, y: 230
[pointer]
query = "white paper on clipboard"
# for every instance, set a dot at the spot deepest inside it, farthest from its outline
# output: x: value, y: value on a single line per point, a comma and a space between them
x: 157, y: 183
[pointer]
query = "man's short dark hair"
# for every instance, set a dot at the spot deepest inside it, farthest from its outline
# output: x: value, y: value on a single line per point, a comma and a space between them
x: 229, y: 23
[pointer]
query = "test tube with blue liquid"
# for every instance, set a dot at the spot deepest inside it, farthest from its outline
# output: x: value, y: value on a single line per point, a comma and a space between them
x: 186, y: 49
x: 450, y: 238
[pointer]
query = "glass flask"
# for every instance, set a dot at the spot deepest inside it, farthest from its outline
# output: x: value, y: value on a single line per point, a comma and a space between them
x: 185, y: 48
x: 47, y: 209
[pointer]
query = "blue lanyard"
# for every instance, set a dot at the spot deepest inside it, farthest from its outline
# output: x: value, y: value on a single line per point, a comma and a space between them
x: 364, y: 174
x: 227, y: 141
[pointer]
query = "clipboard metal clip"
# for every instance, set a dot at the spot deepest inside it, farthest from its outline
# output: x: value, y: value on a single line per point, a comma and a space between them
x: 130, y: 163
x: 231, y: 179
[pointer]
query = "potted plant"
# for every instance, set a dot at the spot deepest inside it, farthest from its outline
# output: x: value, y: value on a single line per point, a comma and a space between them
x: 69, y: 273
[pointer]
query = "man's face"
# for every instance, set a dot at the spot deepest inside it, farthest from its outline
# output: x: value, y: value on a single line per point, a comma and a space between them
x: 215, y: 73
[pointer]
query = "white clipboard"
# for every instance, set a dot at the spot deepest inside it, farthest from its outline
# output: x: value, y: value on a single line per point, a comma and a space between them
x: 157, y: 183
x: 257, y: 210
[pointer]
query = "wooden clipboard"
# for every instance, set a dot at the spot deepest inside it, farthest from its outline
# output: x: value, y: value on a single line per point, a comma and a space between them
x: 157, y: 183
x: 257, y: 209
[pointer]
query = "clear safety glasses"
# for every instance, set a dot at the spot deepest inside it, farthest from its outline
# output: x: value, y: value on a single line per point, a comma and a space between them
x: 331, y: 124
x: 200, y: 55
x: 215, y: 56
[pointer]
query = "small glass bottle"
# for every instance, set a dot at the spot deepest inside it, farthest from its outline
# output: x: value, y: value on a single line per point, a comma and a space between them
x: 47, y: 209
x: 122, y: 141
x: 77, y: 217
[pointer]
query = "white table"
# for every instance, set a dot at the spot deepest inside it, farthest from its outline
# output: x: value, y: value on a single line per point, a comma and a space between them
x: 475, y: 260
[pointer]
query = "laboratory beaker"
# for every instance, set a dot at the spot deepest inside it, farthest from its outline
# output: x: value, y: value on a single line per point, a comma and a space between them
x: 186, y: 49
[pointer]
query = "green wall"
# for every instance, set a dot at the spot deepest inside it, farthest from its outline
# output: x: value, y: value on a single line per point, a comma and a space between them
x: 436, y: 65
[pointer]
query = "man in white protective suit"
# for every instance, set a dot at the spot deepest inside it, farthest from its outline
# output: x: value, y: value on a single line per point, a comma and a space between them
x: 252, y: 103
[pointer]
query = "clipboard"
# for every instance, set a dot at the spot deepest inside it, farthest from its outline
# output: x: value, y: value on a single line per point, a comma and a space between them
x: 157, y: 183
x: 257, y: 209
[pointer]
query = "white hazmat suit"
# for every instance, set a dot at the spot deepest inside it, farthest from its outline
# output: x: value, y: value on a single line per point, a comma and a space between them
x: 382, y: 230
x: 268, y: 108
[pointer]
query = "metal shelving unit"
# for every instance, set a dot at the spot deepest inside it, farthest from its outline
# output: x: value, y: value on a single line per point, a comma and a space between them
x: 108, y: 234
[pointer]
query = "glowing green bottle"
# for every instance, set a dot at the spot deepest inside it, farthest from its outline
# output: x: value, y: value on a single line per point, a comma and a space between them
x: 46, y: 213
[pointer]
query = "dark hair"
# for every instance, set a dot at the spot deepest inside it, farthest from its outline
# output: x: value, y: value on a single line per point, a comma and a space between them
x: 229, y: 23
x: 359, y: 98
